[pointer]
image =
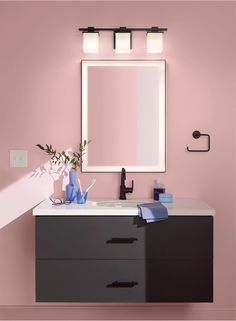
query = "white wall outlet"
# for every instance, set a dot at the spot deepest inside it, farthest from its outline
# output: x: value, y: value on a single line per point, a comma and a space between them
x: 18, y: 158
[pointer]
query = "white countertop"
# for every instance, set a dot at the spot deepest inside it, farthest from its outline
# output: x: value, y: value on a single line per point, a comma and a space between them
x: 179, y: 207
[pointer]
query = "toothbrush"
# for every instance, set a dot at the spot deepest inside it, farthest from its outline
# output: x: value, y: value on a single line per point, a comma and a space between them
x: 90, y: 186
x: 80, y: 187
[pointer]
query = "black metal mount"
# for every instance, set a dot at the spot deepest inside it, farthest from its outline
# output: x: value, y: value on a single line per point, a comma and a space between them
x: 123, y: 29
x: 196, y: 134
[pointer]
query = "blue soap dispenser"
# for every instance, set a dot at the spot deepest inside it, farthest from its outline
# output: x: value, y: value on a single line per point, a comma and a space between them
x: 158, y: 189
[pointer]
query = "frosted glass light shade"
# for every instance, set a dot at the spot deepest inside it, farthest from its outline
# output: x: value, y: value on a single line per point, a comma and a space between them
x: 122, y: 42
x: 91, y: 42
x: 154, y: 42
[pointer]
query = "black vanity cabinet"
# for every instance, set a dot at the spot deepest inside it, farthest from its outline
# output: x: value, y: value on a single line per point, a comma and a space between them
x: 124, y: 259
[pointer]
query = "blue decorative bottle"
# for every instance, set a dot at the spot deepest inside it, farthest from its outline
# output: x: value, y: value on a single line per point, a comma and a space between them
x: 72, y: 188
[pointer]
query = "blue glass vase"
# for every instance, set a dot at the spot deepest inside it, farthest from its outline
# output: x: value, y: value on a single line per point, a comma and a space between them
x: 72, y: 188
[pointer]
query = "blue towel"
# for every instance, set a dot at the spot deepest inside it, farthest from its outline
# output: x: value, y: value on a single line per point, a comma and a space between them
x: 152, y: 212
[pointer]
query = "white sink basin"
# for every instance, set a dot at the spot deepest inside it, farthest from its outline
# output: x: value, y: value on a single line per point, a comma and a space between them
x: 120, y: 203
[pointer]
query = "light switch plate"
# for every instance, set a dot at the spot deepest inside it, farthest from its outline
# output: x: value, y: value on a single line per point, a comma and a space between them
x: 18, y: 158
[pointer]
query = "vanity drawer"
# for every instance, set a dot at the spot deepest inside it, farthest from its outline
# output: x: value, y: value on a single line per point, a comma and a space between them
x: 180, y: 237
x: 90, y: 280
x: 89, y: 238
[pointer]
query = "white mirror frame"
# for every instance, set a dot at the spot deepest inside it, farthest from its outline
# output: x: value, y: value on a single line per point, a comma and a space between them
x: 161, y: 64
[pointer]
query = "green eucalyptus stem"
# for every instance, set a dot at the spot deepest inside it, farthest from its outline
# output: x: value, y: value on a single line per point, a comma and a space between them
x: 74, y: 159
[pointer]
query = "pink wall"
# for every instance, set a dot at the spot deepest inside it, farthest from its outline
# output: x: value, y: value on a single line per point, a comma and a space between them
x: 40, y: 102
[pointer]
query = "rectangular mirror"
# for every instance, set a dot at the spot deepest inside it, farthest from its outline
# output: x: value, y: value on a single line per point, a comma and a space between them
x: 123, y: 114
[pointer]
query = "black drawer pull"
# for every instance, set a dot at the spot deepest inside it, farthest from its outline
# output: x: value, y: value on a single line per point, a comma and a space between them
x: 122, y: 240
x: 117, y: 284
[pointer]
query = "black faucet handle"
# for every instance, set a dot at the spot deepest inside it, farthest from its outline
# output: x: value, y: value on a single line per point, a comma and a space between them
x: 130, y: 189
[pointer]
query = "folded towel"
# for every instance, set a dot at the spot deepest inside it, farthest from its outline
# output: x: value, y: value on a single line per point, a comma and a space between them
x: 152, y: 212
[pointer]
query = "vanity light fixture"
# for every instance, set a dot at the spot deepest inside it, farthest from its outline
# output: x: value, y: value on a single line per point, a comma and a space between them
x: 154, y: 41
x: 123, y: 38
x: 91, y: 40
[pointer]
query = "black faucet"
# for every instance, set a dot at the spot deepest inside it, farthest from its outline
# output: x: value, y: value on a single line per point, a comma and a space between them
x: 123, y: 188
